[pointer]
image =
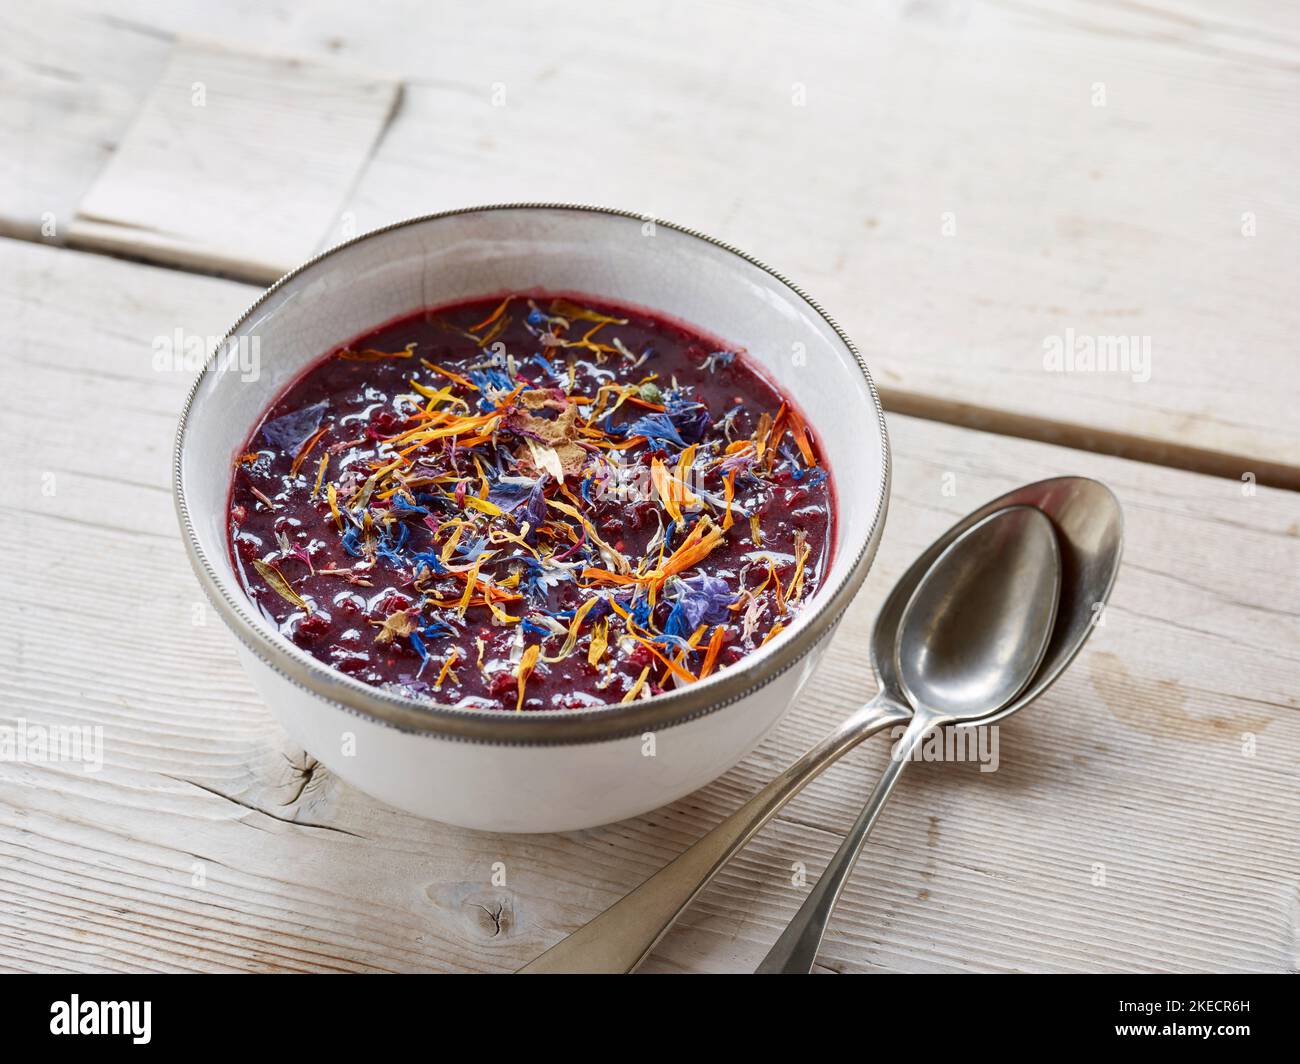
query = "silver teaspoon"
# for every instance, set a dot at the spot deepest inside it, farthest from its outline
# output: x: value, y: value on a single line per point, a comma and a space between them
x: 971, y: 638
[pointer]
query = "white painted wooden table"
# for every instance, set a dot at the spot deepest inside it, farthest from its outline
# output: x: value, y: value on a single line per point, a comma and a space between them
x: 960, y: 183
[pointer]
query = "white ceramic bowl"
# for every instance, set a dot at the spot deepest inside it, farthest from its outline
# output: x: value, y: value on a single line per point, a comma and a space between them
x: 553, y: 770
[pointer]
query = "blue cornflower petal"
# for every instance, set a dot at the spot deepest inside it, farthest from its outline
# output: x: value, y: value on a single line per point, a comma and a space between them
x: 704, y: 600
x: 401, y: 507
x: 290, y: 431
x: 656, y: 427
x: 510, y: 492
x: 352, y: 541
x: 430, y: 560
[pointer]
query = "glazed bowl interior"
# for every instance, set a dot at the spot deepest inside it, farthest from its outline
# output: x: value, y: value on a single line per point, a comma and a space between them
x: 488, y: 251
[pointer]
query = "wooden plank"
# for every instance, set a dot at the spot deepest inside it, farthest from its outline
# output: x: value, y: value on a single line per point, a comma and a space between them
x: 72, y: 81
x: 238, y: 161
x: 209, y: 843
x: 966, y: 186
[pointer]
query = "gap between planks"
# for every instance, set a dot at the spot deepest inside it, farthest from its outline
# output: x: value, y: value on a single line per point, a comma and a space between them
x: 1149, y: 450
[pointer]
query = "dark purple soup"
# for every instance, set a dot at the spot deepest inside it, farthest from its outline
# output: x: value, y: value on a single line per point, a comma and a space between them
x: 531, y: 503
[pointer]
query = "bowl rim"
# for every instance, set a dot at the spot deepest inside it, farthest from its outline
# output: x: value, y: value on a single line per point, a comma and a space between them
x: 539, y: 727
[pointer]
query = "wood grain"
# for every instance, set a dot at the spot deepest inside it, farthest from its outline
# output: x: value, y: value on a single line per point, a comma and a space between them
x: 209, y: 843
x: 73, y: 80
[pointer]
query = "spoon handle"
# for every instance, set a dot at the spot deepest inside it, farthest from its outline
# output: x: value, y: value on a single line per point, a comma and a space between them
x: 796, y: 949
x: 623, y: 935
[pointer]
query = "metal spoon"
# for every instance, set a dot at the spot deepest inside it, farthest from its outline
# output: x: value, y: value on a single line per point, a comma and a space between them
x: 971, y: 638
x: 1089, y: 526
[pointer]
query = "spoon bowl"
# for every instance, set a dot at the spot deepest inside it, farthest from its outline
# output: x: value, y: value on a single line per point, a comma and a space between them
x: 1089, y: 528
x: 977, y: 627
